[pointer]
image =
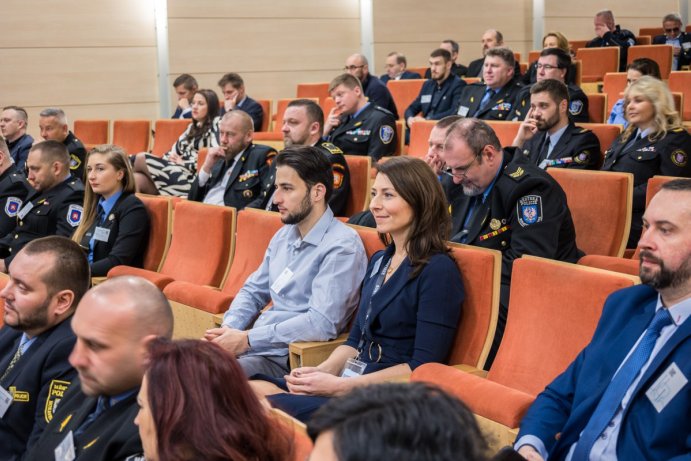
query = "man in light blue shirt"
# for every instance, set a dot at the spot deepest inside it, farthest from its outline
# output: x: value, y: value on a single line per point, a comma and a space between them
x: 311, y: 272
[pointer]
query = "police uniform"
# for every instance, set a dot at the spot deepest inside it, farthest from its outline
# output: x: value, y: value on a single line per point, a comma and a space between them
x: 646, y: 158
x: 37, y: 383
x: 77, y: 155
x: 341, y: 184
x: 372, y: 132
x: 498, y: 107
x: 56, y: 211
x: 578, y: 105
x: 618, y: 37
x: 476, y: 67
x: 246, y: 178
x: 13, y: 191
x: 577, y: 148
x: 112, y: 436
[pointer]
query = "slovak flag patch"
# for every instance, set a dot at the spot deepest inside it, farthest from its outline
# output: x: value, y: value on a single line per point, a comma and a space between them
x: 74, y: 215
x: 12, y: 206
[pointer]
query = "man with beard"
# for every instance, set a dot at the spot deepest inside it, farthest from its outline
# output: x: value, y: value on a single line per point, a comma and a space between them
x: 547, y: 138
x: 626, y: 395
x: 311, y: 272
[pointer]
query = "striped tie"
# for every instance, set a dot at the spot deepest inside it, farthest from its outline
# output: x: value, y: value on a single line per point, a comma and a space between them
x: 13, y: 362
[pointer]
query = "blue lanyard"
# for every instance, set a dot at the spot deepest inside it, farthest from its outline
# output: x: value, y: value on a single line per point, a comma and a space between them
x: 365, y: 328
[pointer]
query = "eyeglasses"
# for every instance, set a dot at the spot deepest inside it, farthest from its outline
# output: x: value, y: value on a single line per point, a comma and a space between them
x: 673, y: 30
x: 351, y: 68
x: 546, y: 66
x: 461, y: 171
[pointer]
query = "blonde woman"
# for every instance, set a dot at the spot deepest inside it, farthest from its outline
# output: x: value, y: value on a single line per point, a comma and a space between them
x: 552, y: 40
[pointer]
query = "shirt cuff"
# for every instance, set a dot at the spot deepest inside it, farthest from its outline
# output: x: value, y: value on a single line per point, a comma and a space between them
x: 260, y: 338
x: 533, y: 442
x: 203, y: 177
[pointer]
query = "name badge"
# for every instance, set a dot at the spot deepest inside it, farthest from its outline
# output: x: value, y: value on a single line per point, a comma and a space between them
x: 686, y: 45
x: 463, y: 111
x: 25, y: 211
x: 5, y: 401
x: 282, y: 280
x: 101, y: 234
x: 426, y: 98
x: 670, y: 382
x: 65, y: 451
x: 353, y: 367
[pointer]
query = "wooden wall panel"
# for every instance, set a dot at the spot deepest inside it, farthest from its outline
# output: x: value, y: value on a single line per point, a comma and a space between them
x: 264, y: 9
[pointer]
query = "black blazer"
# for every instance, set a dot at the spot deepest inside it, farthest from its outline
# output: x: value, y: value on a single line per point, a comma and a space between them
x: 13, y: 191
x: 684, y: 53
x: 128, y: 223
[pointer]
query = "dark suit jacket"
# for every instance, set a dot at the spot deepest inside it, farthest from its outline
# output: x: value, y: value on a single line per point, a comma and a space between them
x: 406, y: 75
x: 128, y: 223
x: 378, y: 94
x: 178, y: 113
x: 619, y: 37
x: 13, y: 191
x: 37, y: 381
x: 246, y: 180
x: 112, y: 436
x: 563, y: 409
x: 684, y: 53
x: 19, y: 150
x: 499, y: 106
x: 439, y: 102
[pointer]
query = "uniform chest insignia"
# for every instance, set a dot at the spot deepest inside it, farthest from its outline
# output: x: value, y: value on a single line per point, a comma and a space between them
x: 359, y: 132
x: 56, y: 391
x: 518, y: 173
x: 504, y: 106
x: 74, y: 162
x: 248, y: 175
x: 494, y: 233
x: 64, y: 423
x: 111, y: 217
x: 494, y: 224
x: 12, y: 206
x: 529, y: 210
x: 646, y: 149
x: 576, y: 107
x: 74, y: 215
x: 332, y: 148
x: 247, y: 193
x: 386, y: 134
x: 582, y: 158
x: 358, y: 124
x: 19, y: 396
x: 680, y: 158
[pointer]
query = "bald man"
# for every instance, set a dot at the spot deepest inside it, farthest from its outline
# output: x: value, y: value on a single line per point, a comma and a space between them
x: 376, y: 92
x: 114, y: 324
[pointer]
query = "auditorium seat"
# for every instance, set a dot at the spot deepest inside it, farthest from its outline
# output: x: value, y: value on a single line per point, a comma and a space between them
x: 597, y: 103
x: 404, y: 92
x: 327, y: 105
x: 680, y: 81
x: 132, y: 135
x: 358, y: 197
x: 662, y: 54
x: 506, y: 131
x: 644, y: 40
x: 92, y: 132
x: 576, y: 45
x: 296, y: 431
x: 419, y: 138
x: 201, y: 157
x: 166, y: 134
x: 275, y: 134
x: 654, y: 185
x: 266, y: 108
x: 533, y: 56
x: 611, y: 263
x: 320, y: 91
x: 605, y: 133
x: 652, y: 31
x: 613, y: 85
x: 418, y: 70
x: 596, y: 62
x: 160, y: 211
x: 400, y: 136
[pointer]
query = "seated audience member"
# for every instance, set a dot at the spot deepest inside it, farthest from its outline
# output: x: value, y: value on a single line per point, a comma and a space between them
x: 114, y: 324
x: 115, y: 226
x: 185, y: 87
x: 358, y: 126
x: 55, y: 205
x: 655, y: 143
x: 235, y: 98
x: 396, y: 64
x: 548, y: 138
x: 189, y: 380
x: 311, y: 272
x: 609, y: 34
x: 553, y: 64
x: 635, y: 70
x: 490, y: 39
x: 440, y: 95
x: 676, y: 36
x: 53, y: 125
x: 452, y: 47
x: 626, y: 395
x: 173, y: 173
x: 13, y: 190
x: 408, y: 421
x: 303, y: 124
x: 553, y: 40
x: 495, y: 98
x: 411, y: 296
x: 47, y: 280
x: 233, y: 173
x: 13, y: 124
x: 375, y: 91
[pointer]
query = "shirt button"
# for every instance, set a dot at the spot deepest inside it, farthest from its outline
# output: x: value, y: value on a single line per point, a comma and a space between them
x: 603, y: 436
x: 611, y: 424
x: 16, y: 236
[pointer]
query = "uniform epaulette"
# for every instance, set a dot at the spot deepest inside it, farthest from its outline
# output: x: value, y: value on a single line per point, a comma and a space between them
x: 514, y: 171
x: 386, y: 111
x: 583, y: 131
x: 332, y: 148
x: 75, y: 184
x: 17, y: 177
x: 678, y: 130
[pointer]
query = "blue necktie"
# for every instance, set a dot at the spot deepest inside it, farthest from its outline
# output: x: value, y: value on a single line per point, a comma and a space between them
x: 489, y: 92
x: 611, y: 399
x: 102, y: 405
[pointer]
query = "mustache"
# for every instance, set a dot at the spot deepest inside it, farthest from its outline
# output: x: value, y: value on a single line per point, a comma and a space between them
x: 649, y: 256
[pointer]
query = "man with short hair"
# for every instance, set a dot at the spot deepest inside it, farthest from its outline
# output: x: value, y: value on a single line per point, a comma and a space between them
x: 494, y: 99
x: 47, y: 280
x: 548, y: 138
x: 185, y: 86
x: 492, y: 38
x: 626, y: 395
x: 452, y: 47
x: 311, y: 272
x: 53, y: 125
x: 233, y: 173
x: 13, y: 124
x: 553, y: 63
x: 303, y: 122
x: 115, y: 323
x: 13, y: 190
x: 235, y: 98
x: 55, y: 208
x: 358, y: 126
x: 676, y: 36
x: 610, y: 34
x: 375, y: 91
x: 396, y: 64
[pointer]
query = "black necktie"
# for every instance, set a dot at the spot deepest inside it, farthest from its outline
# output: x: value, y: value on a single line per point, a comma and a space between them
x: 544, y: 151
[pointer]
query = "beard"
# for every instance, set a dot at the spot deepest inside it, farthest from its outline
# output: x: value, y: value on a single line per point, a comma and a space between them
x: 301, y: 213
x: 36, y: 319
x: 548, y: 123
x: 664, y: 277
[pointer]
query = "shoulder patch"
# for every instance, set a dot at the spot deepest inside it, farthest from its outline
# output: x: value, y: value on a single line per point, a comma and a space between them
x: 56, y: 392
x: 576, y: 107
x: 75, y: 162
x: 332, y: 148
x: 680, y: 158
x: 386, y: 134
x: 12, y: 206
x: 529, y: 210
x: 74, y: 215
x: 516, y: 173
x: 582, y: 158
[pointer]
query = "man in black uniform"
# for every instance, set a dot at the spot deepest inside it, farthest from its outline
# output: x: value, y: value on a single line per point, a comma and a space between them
x: 53, y: 125
x: 459, y: 70
x: 233, y: 173
x: 609, y: 34
x: 679, y: 39
x: 13, y: 124
x: 115, y: 323
x: 13, y: 190
x: 55, y: 208
x: 356, y: 126
x: 375, y: 91
x: 494, y: 99
x: 547, y: 138
x: 303, y: 122
x: 48, y: 279
x: 553, y: 63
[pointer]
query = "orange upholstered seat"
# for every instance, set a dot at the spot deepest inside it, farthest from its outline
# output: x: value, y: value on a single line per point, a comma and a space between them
x: 652, y: 31
x: 662, y: 54
x: 596, y: 62
x: 358, y: 197
x: 597, y: 103
x: 166, y: 134
x: 370, y: 239
x: 160, y: 211
x: 266, y: 108
x: 132, y: 135
x: 419, y: 138
x: 611, y: 263
x: 404, y: 92
x: 320, y: 91
x: 605, y: 133
x: 613, y: 85
x: 680, y: 82
x: 297, y: 432
x: 506, y: 131
x: 91, y: 131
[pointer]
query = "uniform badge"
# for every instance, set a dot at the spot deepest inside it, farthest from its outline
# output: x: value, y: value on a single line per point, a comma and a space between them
x: 74, y: 215
x: 529, y: 210
x: 358, y: 124
x: 75, y: 163
x: 332, y: 148
x: 269, y: 157
x: 338, y: 175
x: 249, y: 174
x: 576, y: 107
x: 56, y: 391
x: 12, y: 206
x: 518, y: 173
x: 247, y: 193
x: 679, y: 158
x: 111, y: 217
x: 582, y: 158
x: 19, y: 396
x: 139, y: 457
x: 494, y: 224
x: 386, y: 134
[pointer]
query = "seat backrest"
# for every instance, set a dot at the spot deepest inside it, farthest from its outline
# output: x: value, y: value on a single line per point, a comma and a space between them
x: 166, y: 134
x: 255, y: 230
x: 533, y: 56
x: 313, y: 90
x: 327, y: 104
x: 132, y: 135
x: 606, y: 134
x: 602, y: 225
x: 678, y: 101
x: 506, y: 131
x: 597, y: 62
x: 281, y: 105
x: 652, y: 31
x: 404, y: 92
x: 550, y: 320
x: 481, y: 274
x: 160, y: 211
x: 644, y: 40
x: 662, y: 54
x: 613, y: 85
x: 654, y: 185
x: 418, y: 70
x: 680, y: 82
x: 597, y: 103
x: 358, y: 196
x: 266, y: 108
x: 576, y: 45
x: 201, y: 156
x: 91, y: 131
x: 370, y: 239
x: 419, y: 138
x: 400, y: 138
x: 471, y: 80
x: 202, y: 244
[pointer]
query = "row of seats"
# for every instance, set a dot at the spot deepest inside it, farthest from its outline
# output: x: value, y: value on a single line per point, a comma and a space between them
x: 679, y: 83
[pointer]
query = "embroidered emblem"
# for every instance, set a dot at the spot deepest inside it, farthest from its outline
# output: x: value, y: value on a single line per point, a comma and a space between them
x: 679, y: 158
x: 576, y: 107
x: 74, y: 215
x: 247, y: 193
x: 582, y: 158
x: 518, y: 173
x: 75, y: 163
x: 248, y: 175
x: 19, y: 396
x: 12, y: 206
x: 386, y: 134
x: 56, y: 391
x: 494, y: 224
x: 529, y: 210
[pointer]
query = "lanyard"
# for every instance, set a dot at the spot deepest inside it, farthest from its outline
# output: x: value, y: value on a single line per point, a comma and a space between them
x: 364, y: 328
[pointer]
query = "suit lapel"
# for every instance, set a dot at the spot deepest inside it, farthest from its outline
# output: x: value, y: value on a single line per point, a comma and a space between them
x: 478, y: 220
x: 390, y: 289
x: 238, y: 167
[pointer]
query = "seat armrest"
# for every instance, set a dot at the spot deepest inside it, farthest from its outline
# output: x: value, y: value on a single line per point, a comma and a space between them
x: 471, y: 369
x: 312, y: 353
